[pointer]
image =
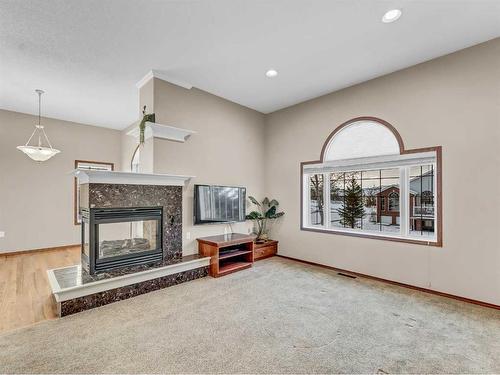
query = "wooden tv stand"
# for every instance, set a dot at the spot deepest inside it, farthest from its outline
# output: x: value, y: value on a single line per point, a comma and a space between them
x: 228, y: 252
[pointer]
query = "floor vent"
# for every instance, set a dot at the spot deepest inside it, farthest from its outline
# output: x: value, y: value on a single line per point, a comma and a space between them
x: 346, y: 275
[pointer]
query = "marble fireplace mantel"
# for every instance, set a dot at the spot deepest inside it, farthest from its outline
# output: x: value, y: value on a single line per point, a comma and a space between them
x: 130, y: 178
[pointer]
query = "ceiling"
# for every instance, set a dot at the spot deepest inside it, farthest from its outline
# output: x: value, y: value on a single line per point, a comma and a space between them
x: 88, y: 55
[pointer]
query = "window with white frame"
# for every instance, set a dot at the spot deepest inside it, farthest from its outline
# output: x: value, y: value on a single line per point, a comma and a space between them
x: 384, y: 193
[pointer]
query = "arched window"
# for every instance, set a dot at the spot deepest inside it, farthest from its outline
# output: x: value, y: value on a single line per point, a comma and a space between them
x: 136, y: 161
x: 371, y: 185
x: 393, y: 201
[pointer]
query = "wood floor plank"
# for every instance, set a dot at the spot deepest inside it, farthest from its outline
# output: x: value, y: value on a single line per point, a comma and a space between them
x: 25, y: 295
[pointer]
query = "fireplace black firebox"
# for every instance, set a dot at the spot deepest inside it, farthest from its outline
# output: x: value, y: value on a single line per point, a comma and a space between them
x: 120, y: 237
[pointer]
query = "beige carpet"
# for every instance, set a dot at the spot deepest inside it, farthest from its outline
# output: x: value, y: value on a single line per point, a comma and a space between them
x: 280, y: 316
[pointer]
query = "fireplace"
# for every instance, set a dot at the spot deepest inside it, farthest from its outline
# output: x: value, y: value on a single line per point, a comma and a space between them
x: 120, y: 237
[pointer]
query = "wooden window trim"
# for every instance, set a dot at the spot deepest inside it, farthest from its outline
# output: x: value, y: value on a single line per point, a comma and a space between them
x: 75, y: 185
x: 402, y: 151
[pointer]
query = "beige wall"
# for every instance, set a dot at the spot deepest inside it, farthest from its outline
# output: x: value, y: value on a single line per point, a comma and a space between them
x: 227, y: 149
x: 36, y: 199
x: 129, y: 144
x: 453, y: 101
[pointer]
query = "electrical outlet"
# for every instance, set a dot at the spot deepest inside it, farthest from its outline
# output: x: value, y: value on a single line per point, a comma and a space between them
x: 2, y: 234
x: 188, y: 235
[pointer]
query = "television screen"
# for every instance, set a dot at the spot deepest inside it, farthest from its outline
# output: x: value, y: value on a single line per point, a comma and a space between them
x: 219, y: 204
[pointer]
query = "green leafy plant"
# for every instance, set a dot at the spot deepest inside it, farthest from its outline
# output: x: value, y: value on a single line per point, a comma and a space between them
x: 146, y: 117
x: 267, y: 210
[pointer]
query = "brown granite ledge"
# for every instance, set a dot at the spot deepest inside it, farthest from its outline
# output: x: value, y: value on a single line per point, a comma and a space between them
x: 91, y: 301
x: 88, y: 278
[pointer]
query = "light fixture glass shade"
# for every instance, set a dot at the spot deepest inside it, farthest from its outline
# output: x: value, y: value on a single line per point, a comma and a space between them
x: 271, y: 73
x: 391, y: 15
x: 38, y: 153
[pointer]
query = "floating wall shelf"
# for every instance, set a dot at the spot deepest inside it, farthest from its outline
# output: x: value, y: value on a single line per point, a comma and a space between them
x: 131, y: 178
x: 162, y: 131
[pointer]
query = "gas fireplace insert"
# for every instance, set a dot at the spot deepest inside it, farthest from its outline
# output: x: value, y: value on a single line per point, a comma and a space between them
x: 120, y: 237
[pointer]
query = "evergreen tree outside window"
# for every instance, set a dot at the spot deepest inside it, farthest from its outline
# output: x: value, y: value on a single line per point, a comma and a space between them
x: 352, y: 211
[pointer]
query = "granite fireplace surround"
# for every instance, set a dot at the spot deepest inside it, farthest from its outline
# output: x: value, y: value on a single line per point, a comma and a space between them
x: 75, y: 289
x: 97, y: 195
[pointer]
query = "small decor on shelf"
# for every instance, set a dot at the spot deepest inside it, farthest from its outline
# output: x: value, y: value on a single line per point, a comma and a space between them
x: 267, y: 210
x: 146, y: 117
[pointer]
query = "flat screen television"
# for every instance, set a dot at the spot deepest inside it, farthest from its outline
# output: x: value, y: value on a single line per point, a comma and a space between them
x: 219, y: 204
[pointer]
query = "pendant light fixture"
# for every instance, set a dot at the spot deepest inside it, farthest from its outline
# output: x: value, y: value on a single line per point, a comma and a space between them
x: 39, y: 152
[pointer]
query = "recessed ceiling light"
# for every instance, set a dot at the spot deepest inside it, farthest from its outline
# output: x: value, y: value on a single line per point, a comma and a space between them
x: 271, y: 73
x: 391, y: 15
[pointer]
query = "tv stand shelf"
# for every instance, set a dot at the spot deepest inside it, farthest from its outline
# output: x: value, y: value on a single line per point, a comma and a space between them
x: 232, y: 254
x: 228, y: 253
x: 233, y: 267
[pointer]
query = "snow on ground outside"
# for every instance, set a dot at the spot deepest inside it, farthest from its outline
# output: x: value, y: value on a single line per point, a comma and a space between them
x: 369, y: 221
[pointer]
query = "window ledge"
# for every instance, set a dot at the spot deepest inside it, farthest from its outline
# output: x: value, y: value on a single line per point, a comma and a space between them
x: 432, y: 241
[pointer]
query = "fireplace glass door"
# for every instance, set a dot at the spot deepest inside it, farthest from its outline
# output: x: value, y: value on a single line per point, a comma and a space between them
x: 118, y: 237
x: 126, y: 238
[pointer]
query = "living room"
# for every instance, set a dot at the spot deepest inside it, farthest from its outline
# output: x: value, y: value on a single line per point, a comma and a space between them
x: 249, y: 187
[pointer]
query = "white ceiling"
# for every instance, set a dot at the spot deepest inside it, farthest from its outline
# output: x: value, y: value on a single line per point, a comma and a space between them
x: 88, y: 55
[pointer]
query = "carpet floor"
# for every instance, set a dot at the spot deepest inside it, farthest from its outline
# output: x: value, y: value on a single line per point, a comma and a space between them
x: 279, y: 316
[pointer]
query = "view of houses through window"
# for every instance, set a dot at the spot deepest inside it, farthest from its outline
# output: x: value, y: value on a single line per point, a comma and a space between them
x: 421, y: 192
x: 371, y: 201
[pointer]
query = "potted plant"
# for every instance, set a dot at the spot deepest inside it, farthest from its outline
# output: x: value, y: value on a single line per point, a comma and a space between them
x: 267, y: 209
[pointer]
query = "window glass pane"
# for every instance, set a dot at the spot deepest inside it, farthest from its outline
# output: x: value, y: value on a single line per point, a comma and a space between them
x: 351, y: 210
x: 415, y: 171
x: 353, y: 174
x: 370, y: 201
x: 371, y: 188
x: 390, y: 173
x: 336, y: 198
x: 388, y: 214
x: 371, y: 175
x: 365, y: 200
x: 422, y: 215
x: 316, y: 199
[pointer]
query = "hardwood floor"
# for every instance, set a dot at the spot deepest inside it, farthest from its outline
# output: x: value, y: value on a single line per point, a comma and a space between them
x: 25, y: 296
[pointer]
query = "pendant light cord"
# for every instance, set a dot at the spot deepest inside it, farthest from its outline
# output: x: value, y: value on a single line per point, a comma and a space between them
x: 39, y: 128
x: 32, y: 134
x: 39, y: 106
